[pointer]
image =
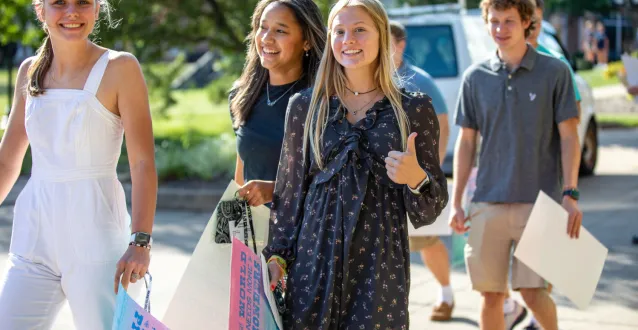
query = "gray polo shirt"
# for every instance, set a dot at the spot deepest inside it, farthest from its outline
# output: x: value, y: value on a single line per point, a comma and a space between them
x: 517, y: 113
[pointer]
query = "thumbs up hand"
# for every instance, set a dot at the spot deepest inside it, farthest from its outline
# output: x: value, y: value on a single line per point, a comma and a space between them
x: 403, y: 167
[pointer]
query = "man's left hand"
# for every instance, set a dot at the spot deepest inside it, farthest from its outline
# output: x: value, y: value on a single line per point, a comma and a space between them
x: 575, y: 219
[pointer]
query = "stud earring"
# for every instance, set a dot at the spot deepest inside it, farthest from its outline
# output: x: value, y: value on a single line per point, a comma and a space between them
x: 307, y: 54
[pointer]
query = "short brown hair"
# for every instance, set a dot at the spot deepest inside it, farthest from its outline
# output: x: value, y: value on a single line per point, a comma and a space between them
x: 540, y: 4
x: 397, y: 30
x: 525, y: 9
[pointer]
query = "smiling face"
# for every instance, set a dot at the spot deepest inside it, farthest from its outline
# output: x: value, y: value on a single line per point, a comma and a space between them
x: 279, y: 39
x: 69, y: 20
x: 506, y: 27
x: 354, y: 38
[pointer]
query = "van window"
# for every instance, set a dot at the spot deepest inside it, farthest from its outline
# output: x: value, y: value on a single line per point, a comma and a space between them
x: 432, y: 49
x: 479, y: 42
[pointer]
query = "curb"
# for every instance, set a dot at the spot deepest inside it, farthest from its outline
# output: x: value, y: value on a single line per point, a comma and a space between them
x: 183, y: 198
x: 190, y: 199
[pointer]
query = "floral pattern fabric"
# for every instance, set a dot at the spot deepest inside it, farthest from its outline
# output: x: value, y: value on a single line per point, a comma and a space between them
x: 343, y: 229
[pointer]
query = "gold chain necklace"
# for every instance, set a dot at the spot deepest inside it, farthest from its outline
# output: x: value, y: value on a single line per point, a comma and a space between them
x: 354, y: 112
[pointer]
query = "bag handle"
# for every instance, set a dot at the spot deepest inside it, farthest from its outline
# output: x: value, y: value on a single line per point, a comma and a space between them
x: 248, y: 220
x: 149, y: 286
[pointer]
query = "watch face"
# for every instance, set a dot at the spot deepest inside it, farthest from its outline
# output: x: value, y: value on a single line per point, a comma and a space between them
x: 141, y: 238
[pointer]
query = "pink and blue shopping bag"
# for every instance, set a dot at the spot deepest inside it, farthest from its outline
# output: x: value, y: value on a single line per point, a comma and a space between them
x: 129, y: 315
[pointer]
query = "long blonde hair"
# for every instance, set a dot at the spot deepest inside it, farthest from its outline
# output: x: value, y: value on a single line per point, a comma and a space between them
x: 254, y: 76
x: 44, y: 56
x: 331, y: 79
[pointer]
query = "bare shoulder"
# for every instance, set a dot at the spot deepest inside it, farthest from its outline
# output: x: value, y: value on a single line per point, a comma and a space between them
x: 23, y: 73
x: 24, y: 68
x: 123, y: 61
x: 26, y: 64
x: 124, y: 72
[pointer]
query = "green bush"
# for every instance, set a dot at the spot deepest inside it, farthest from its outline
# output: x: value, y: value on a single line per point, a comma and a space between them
x: 195, y: 157
x: 218, y: 89
x: 213, y: 157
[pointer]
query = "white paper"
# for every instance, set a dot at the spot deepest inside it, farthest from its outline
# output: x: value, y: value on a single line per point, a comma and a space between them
x: 440, y: 227
x: 631, y: 67
x: 269, y: 295
x: 202, y: 298
x: 572, y: 266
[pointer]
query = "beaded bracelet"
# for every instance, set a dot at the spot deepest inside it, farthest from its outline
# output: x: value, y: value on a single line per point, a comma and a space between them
x: 280, y: 262
x: 140, y: 245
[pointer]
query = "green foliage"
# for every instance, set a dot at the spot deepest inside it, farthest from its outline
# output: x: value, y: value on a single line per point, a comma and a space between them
x: 468, y: 3
x: 160, y: 78
x: 218, y: 89
x: 618, y: 120
x: 18, y: 23
x: 198, y: 157
x: 597, y: 78
x: 578, y: 7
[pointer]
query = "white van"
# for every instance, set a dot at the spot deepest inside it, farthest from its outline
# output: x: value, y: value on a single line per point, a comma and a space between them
x: 444, y: 40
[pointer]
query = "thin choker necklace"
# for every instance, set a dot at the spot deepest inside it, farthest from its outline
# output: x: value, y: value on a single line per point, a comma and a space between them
x: 361, y: 93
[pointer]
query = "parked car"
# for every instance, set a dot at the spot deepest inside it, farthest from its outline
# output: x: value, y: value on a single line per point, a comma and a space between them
x: 444, y: 40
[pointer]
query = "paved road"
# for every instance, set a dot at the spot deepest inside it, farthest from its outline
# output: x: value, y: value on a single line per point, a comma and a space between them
x: 609, y: 202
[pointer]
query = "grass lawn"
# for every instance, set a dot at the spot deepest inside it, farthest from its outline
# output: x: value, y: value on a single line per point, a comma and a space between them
x: 4, y: 98
x: 627, y: 120
x: 195, y: 112
x: 595, y: 78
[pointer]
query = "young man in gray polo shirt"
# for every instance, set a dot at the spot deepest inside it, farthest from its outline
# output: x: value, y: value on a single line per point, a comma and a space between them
x: 522, y: 103
x: 433, y: 251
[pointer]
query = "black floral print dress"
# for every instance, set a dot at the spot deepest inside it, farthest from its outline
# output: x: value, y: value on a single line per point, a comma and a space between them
x: 343, y: 230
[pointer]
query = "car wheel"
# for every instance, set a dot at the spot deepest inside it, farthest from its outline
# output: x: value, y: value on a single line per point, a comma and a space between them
x: 590, y: 150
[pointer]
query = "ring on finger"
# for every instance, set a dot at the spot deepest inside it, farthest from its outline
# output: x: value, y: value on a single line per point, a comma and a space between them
x: 135, y: 276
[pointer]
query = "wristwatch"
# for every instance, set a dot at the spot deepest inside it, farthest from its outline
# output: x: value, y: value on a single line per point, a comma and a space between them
x: 417, y: 190
x: 573, y: 193
x: 141, y: 239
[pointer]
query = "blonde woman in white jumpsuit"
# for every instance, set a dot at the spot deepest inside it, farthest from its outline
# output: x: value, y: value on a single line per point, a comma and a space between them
x: 73, y: 103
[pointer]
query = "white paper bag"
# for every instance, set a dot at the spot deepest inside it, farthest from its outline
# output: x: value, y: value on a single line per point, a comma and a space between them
x: 201, y: 300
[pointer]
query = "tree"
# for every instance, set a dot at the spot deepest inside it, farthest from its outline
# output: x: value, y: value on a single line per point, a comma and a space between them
x: 578, y: 7
x: 468, y: 3
x: 18, y: 23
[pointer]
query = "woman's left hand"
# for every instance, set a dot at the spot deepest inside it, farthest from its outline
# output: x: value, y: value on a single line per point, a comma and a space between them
x: 257, y: 192
x: 132, y: 266
x: 403, y: 167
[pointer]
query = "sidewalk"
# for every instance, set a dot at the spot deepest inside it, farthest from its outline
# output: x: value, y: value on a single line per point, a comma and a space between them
x: 605, y: 92
x: 613, y: 99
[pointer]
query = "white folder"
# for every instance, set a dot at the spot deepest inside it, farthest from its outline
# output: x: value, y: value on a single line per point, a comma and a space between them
x: 572, y: 266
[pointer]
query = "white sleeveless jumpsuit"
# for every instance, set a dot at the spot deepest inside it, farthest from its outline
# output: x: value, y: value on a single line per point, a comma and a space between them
x: 71, y: 224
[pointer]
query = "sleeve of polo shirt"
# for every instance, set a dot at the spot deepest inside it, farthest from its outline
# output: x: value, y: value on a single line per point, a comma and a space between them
x: 564, y: 100
x: 465, y: 115
x: 430, y: 88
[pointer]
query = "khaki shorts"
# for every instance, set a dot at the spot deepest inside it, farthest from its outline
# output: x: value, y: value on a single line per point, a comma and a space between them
x: 495, y: 230
x: 418, y: 243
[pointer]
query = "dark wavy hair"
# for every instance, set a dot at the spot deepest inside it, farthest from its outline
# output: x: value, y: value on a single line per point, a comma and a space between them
x: 254, y: 76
